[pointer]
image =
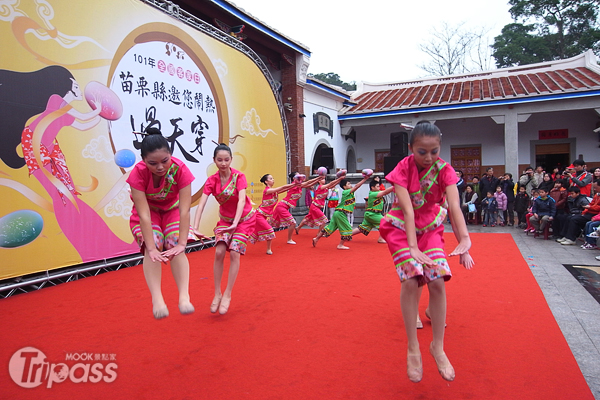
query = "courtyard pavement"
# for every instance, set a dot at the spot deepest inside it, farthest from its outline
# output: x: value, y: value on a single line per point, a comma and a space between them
x: 576, y: 311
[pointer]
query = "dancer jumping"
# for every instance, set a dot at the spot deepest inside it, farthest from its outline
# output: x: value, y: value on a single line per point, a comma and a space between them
x: 414, y: 232
x: 161, y: 193
x: 236, y: 223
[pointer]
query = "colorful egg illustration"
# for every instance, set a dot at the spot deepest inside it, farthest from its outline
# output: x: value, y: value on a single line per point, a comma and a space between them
x: 20, y: 228
x: 112, y: 108
x: 125, y: 158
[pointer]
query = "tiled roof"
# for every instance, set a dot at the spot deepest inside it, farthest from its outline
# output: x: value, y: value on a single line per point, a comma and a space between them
x: 576, y: 74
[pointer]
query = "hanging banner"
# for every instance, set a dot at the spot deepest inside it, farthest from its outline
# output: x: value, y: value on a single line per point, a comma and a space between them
x: 78, y: 82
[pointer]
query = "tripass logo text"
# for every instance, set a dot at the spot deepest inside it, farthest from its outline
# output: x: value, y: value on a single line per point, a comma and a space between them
x: 29, y: 368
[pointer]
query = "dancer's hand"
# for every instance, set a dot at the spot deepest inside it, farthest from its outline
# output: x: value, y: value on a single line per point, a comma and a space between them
x: 466, y: 260
x: 156, y: 255
x: 462, y: 248
x: 174, y: 251
x: 200, y: 236
x: 421, y: 258
x: 230, y: 228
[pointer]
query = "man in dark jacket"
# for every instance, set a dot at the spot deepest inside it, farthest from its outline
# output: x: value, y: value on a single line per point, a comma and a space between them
x: 508, y: 187
x: 544, y: 210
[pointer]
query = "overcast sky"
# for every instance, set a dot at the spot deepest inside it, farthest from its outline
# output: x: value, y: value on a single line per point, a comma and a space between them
x: 372, y: 41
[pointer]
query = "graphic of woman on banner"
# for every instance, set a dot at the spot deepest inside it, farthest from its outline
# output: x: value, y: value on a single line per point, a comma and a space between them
x: 35, y: 107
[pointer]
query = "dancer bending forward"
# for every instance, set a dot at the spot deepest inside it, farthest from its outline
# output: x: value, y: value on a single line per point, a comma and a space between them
x: 316, y: 218
x: 264, y: 231
x: 161, y: 193
x: 414, y: 232
x: 236, y: 223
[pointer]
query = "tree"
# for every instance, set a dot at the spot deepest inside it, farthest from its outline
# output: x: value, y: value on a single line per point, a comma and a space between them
x: 547, y: 30
x: 453, y: 49
x: 334, y: 79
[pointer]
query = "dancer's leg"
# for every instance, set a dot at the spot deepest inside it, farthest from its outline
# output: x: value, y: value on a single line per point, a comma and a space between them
x: 152, y: 273
x: 234, y: 268
x: 180, y: 267
x: 409, y: 303
x: 437, y: 309
x: 269, y: 251
x: 290, y: 232
x: 221, y: 250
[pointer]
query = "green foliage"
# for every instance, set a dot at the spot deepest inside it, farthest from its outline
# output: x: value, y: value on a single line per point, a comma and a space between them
x: 334, y: 79
x: 547, y: 30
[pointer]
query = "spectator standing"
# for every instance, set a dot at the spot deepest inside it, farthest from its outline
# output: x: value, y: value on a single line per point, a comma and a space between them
x: 547, y: 183
x: 526, y: 180
x: 580, y: 177
x: 488, y: 182
x: 521, y: 205
x: 502, y: 204
x: 508, y: 187
x: 538, y: 176
x: 489, y: 205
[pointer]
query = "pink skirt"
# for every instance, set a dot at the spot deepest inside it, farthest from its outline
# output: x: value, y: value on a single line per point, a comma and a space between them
x: 315, y: 217
x: 282, y: 216
x: 165, y: 227
x: 238, y: 240
x: 431, y: 243
x: 263, y: 230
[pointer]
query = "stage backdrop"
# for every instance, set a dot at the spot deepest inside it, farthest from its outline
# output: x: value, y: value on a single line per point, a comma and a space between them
x: 77, y: 78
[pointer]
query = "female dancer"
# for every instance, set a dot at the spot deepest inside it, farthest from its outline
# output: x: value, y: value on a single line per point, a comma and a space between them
x: 414, y: 232
x: 161, y: 193
x: 316, y: 218
x: 236, y: 223
x: 281, y: 215
x: 264, y: 231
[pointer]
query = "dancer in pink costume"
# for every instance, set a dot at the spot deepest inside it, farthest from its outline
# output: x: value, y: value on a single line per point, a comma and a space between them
x: 282, y: 217
x: 236, y: 224
x: 49, y: 92
x: 316, y: 218
x: 162, y: 195
x: 413, y: 229
x: 264, y: 231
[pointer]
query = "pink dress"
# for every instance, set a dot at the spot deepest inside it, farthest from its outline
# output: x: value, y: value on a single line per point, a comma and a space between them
x: 163, y: 201
x: 282, y: 216
x: 228, y: 197
x: 427, y: 193
x: 264, y: 213
x: 315, y: 217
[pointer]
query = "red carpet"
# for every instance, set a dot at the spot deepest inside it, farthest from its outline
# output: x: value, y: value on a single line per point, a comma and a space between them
x: 304, y: 323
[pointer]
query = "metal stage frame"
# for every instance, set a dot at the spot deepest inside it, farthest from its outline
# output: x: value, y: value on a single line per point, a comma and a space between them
x: 33, y: 282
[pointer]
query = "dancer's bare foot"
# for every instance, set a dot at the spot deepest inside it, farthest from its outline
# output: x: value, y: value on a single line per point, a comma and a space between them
x: 186, y: 308
x: 315, y: 240
x: 214, y: 306
x: 414, y: 367
x: 297, y: 229
x: 443, y: 364
x: 419, y: 322
x: 224, y: 306
x: 160, y: 312
x: 342, y: 247
x: 380, y: 240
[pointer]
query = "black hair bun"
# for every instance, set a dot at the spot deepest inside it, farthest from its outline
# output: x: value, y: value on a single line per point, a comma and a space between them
x: 153, y: 131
